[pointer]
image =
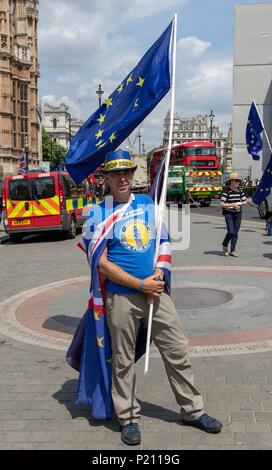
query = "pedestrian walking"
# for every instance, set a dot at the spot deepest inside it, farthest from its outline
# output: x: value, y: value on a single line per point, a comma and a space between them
x: 126, y: 263
x: 232, y: 200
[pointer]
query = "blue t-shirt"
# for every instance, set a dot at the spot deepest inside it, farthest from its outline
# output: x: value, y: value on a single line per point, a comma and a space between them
x: 132, y: 243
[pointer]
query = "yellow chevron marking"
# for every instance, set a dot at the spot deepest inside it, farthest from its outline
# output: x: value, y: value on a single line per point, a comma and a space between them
x: 17, y: 209
x: 47, y: 205
x: 37, y: 211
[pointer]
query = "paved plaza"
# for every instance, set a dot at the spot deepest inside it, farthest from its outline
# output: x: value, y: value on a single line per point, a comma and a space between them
x: 224, y: 304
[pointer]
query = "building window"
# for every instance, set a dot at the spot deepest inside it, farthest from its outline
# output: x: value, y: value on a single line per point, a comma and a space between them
x: 23, y: 92
x: 23, y: 109
x: 23, y: 113
x: 4, y: 42
x: 14, y: 132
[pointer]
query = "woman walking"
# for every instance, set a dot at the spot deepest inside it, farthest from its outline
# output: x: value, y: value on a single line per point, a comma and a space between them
x: 232, y: 200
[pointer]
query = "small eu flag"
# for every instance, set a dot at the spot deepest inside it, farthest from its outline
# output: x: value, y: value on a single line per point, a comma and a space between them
x: 123, y: 110
x: 253, y: 132
x: 264, y: 186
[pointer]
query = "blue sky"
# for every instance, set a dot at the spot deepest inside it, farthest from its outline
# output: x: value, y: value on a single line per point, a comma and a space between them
x: 84, y: 43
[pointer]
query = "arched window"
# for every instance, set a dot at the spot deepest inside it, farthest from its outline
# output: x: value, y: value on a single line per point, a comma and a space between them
x: 54, y: 123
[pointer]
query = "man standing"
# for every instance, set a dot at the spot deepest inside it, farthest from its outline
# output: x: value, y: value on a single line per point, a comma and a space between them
x: 131, y: 283
x: 232, y: 200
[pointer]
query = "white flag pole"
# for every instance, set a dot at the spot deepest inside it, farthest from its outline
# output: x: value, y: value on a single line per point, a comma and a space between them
x: 162, y: 202
x: 265, y: 133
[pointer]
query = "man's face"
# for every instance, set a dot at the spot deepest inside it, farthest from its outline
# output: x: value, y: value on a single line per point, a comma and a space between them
x: 120, y: 183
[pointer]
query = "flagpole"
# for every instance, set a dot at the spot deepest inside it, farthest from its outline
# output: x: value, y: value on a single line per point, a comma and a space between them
x: 265, y: 133
x: 164, y: 186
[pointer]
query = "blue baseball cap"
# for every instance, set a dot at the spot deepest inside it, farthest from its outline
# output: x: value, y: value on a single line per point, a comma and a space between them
x: 118, y: 160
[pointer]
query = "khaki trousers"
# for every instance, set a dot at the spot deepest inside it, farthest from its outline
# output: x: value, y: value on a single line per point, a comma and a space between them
x: 124, y: 312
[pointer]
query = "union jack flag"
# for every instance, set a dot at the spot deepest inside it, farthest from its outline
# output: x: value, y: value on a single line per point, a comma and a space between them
x: 22, y: 165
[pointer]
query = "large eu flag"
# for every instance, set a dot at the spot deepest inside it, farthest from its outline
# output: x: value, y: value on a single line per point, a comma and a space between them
x: 253, y: 132
x: 264, y: 186
x: 123, y: 110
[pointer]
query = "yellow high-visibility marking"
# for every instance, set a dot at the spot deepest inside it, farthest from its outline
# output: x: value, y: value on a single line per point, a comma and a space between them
x: 50, y: 209
x: 17, y: 209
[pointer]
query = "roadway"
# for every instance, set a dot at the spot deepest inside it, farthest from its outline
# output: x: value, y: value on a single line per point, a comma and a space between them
x: 249, y: 212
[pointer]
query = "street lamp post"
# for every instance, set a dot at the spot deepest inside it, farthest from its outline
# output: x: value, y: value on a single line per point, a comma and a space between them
x: 26, y: 149
x: 99, y: 93
x: 139, y: 137
x: 143, y: 148
x: 69, y: 117
x: 211, y: 116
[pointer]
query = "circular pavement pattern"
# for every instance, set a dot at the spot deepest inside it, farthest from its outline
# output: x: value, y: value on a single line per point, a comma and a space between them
x: 223, y: 311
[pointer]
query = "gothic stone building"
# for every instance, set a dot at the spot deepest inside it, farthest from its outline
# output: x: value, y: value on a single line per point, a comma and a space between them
x: 19, y: 72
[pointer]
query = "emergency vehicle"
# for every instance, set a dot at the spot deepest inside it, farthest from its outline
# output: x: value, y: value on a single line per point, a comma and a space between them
x: 43, y: 201
x: 186, y: 186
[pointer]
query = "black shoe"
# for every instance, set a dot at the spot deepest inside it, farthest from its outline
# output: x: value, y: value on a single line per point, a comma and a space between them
x: 130, y: 434
x: 205, y: 423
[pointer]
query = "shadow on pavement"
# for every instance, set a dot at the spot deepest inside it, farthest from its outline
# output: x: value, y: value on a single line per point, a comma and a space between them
x: 63, y: 323
x: 67, y: 396
x: 267, y: 255
x: 267, y: 243
x: 201, y: 222
x: 4, y: 239
x: 158, y: 412
x: 216, y: 253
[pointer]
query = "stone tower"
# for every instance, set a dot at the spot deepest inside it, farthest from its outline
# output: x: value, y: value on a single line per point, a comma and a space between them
x: 19, y: 72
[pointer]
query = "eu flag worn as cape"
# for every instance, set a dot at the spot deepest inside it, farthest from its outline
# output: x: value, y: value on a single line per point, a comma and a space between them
x: 253, y: 132
x: 264, y: 186
x: 90, y: 350
x: 123, y: 110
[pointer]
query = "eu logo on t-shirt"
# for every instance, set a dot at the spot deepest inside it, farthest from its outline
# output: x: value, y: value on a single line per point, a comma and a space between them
x: 135, y: 235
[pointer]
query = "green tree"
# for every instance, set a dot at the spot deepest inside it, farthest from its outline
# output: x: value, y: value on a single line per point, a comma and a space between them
x: 51, y: 151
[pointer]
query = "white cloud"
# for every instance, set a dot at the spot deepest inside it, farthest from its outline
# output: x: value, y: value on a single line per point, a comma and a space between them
x: 85, y: 43
x: 212, y: 78
x: 69, y: 78
x: 192, y: 46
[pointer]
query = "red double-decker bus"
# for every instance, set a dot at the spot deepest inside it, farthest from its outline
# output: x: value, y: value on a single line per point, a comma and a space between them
x: 194, y: 155
x: 197, y: 155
